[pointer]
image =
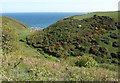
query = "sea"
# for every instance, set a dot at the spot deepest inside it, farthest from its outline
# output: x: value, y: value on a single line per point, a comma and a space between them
x: 40, y: 19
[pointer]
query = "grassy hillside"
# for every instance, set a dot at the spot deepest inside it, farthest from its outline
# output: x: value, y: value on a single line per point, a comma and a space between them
x: 34, y: 59
x: 12, y: 32
x: 113, y: 15
x: 97, y: 35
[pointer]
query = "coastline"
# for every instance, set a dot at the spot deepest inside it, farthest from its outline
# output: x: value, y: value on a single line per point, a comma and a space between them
x: 36, y: 28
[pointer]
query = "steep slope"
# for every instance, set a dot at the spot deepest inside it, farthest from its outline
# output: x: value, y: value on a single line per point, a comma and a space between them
x: 12, y: 32
x: 75, y: 36
x: 17, y: 55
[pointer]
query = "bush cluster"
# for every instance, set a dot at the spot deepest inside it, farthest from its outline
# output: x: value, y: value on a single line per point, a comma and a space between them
x: 73, y: 37
x: 86, y: 61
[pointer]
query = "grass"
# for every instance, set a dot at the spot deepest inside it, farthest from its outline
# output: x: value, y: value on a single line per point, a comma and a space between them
x: 27, y: 63
x: 34, y: 68
x: 110, y: 14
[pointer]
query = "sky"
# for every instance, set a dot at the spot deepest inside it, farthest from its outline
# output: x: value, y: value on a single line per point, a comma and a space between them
x: 7, y: 6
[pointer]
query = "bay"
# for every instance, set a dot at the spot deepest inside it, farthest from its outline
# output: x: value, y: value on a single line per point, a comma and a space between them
x: 40, y: 19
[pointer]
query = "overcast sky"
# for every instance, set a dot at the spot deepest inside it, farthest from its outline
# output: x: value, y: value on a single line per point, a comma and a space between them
x: 58, y: 5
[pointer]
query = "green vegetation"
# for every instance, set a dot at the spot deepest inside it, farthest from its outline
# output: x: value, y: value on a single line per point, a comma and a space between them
x: 83, y: 48
x: 96, y: 35
x: 86, y: 61
x: 113, y: 15
x: 12, y: 32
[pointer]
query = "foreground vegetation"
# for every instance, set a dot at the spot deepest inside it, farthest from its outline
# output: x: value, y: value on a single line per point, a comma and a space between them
x: 74, y: 48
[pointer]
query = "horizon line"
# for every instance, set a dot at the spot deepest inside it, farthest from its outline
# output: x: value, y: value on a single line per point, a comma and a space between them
x: 44, y: 12
x: 64, y: 11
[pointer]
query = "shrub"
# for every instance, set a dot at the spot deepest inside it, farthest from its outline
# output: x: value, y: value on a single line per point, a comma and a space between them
x: 113, y: 35
x: 76, y: 52
x: 115, y: 44
x: 103, y: 50
x: 86, y: 61
x: 118, y: 27
x: 118, y: 54
x: 115, y: 61
x: 81, y: 48
x: 69, y: 35
x: 94, y: 50
x: 95, y: 42
x: 113, y: 55
x: 113, y: 28
x: 105, y: 40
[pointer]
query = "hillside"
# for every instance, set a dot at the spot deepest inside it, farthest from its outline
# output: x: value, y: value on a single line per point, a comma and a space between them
x: 60, y: 52
x: 12, y: 31
x: 113, y: 15
x: 74, y: 36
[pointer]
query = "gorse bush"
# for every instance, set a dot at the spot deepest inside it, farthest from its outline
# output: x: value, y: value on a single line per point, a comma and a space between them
x: 74, y: 37
x: 115, y: 44
x: 113, y: 35
x: 105, y: 40
x: 86, y: 61
x: 65, y: 34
